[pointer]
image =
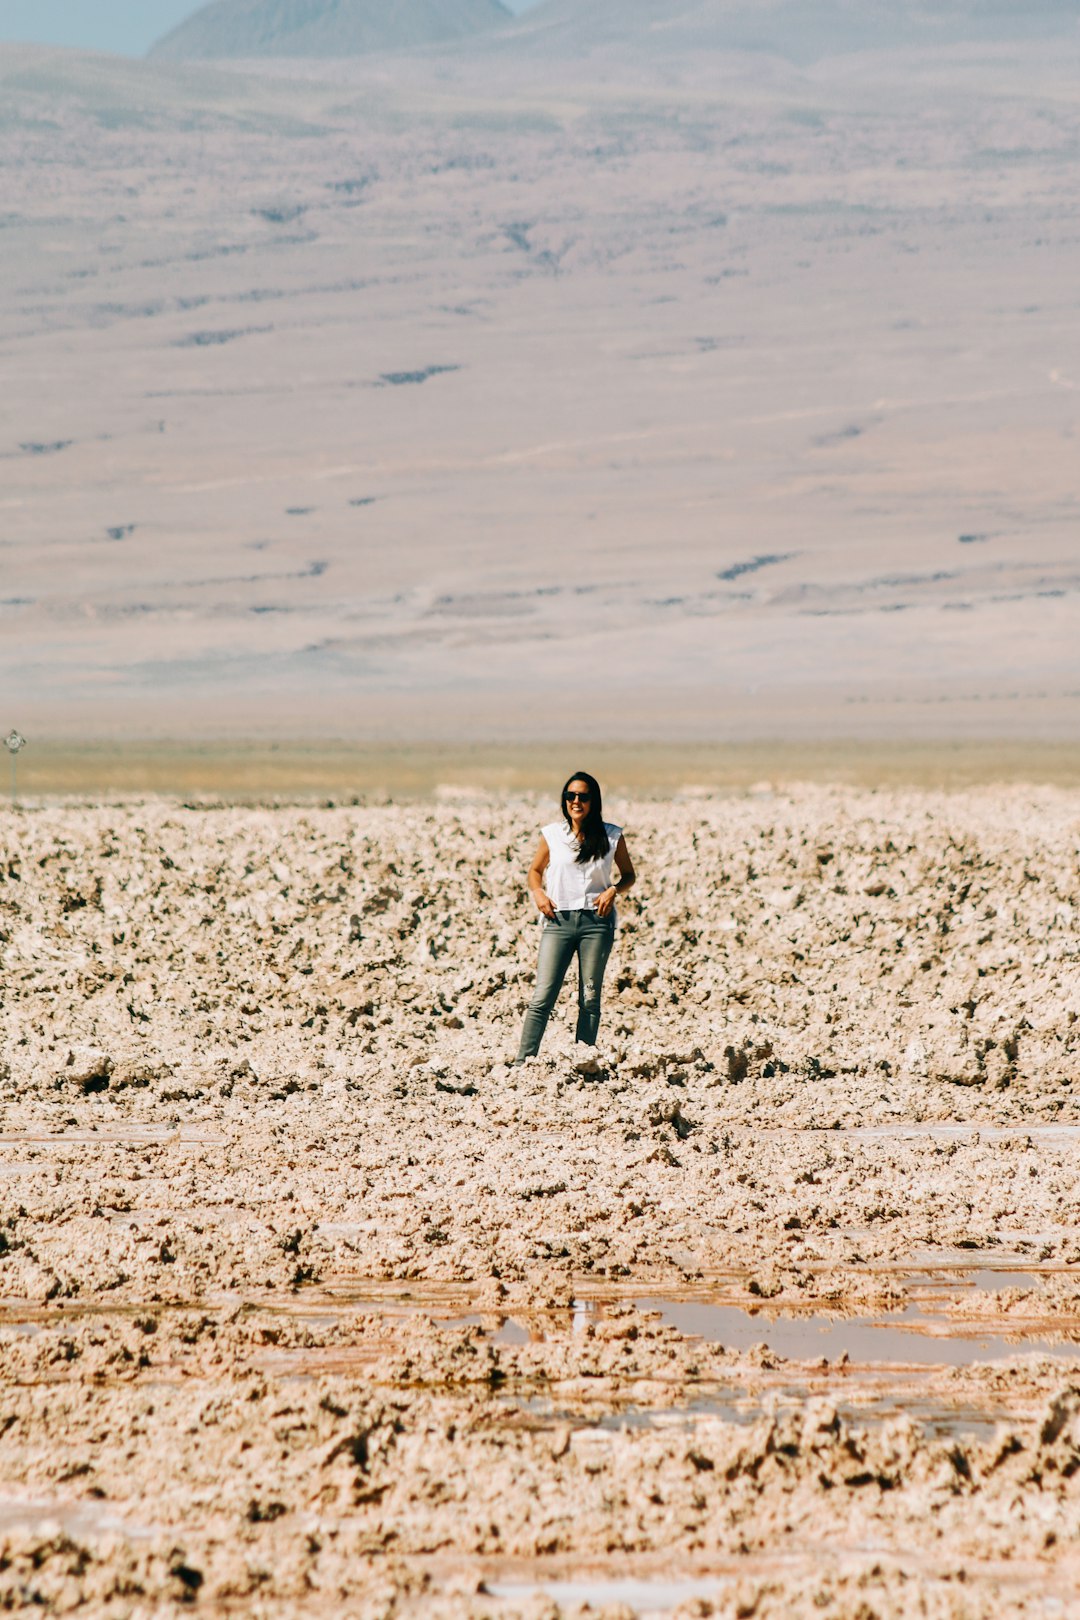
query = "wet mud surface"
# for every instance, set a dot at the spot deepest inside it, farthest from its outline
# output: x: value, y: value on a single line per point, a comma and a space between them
x: 310, y: 1303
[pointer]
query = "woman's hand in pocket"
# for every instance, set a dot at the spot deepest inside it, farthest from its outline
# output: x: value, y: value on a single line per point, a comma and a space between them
x: 544, y: 904
x: 605, y: 901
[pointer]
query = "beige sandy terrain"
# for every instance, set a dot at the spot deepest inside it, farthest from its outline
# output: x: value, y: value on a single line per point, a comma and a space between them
x: 770, y: 1306
x: 406, y: 398
x: 330, y: 771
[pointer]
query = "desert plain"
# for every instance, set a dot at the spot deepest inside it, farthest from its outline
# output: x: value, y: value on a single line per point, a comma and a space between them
x: 311, y: 1303
x: 407, y: 398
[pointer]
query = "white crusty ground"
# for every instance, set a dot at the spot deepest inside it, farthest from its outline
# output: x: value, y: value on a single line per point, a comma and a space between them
x: 256, y: 1089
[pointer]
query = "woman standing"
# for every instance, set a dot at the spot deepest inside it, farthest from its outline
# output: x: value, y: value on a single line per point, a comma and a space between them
x: 570, y: 880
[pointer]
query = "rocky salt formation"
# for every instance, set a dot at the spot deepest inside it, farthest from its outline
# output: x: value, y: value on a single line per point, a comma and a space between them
x: 256, y: 1091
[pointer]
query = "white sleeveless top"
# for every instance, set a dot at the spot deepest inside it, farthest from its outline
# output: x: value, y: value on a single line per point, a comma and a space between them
x: 571, y: 886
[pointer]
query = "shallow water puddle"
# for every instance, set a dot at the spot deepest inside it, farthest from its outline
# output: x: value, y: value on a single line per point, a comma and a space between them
x: 939, y: 1417
x: 510, y: 1332
x: 644, y: 1597
x: 936, y: 1417
x: 987, y: 1281
x: 141, y: 1136
x: 649, y: 1596
x: 72, y: 1518
x: 220, y: 1215
x: 949, y: 1132
x: 954, y: 1279
x: 919, y: 1335
x: 908, y: 1337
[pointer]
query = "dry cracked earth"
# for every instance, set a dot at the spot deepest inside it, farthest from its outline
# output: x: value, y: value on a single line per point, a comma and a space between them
x: 311, y: 1304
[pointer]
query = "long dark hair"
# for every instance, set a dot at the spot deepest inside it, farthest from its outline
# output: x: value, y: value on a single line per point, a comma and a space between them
x: 595, y: 842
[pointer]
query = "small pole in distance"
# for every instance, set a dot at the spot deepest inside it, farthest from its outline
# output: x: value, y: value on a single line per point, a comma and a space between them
x: 14, y: 742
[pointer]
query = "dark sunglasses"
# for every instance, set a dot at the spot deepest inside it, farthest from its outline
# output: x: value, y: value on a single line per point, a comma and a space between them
x: 583, y: 798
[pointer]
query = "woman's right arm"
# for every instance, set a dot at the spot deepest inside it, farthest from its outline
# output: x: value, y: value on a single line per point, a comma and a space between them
x: 536, y: 878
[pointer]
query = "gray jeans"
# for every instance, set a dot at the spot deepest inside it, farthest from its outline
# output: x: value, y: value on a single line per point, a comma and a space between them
x: 573, y: 933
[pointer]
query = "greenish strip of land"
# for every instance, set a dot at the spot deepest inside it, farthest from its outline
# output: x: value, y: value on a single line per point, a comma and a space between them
x: 261, y: 772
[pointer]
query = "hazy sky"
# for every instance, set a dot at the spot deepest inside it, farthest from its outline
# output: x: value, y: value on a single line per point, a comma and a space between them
x: 127, y: 26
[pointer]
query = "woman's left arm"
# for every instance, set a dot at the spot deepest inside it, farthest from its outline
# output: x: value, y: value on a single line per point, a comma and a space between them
x: 627, y: 879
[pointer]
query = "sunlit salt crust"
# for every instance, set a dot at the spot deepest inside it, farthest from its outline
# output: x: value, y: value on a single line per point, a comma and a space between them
x: 309, y: 1299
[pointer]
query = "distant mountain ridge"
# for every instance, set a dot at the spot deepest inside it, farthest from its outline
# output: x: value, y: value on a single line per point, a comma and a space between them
x: 238, y: 28
x: 799, y: 29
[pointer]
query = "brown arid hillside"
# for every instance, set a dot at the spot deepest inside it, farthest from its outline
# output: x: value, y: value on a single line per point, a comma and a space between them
x: 332, y: 28
x: 797, y: 29
x: 474, y: 395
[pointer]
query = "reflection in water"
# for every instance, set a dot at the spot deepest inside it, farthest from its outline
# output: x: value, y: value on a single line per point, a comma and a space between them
x: 991, y: 1282
x: 583, y: 1313
x: 511, y: 1332
x: 909, y: 1336
x: 940, y: 1418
